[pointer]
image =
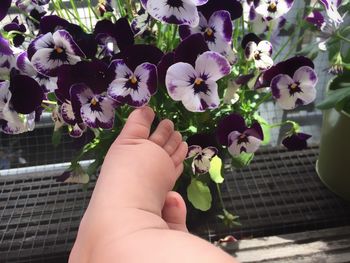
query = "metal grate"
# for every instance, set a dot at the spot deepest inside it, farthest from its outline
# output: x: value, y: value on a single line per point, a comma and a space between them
x: 278, y: 193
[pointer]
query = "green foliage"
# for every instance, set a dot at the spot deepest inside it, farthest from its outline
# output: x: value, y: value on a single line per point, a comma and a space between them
x: 266, y: 129
x: 215, y: 170
x: 199, y: 195
x: 242, y: 160
x: 338, y: 96
x: 56, y: 137
x: 229, y: 219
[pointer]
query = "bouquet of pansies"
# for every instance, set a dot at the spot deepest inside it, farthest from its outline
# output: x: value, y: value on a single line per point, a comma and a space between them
x: 205, y: 64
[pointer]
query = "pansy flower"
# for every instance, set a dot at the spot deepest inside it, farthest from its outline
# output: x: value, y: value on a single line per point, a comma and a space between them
x: 179, y: 12
x: 217, y: 32
x: 75, y: 176
x: 196, y: 86
x: 288, y: 67
x: 299, y: 90
x: 296, y: 141
x: 134, y: 88
x: 49, y: 84
x: 201, y: 158
x: 104, y: 6
x: 4, y: 8
x: 272, y: 9
x: 95, y: 110
x: 113, y: 37
x: 18, y: 39
x: 259, y: 51
x: 7, y: 57
x: 140, y: 23
x: 17, y: 108
x: 233, y: 133
x: 332, y: 11
x: 29, y: 5
x: 50, y: 51
x: 234, y: 7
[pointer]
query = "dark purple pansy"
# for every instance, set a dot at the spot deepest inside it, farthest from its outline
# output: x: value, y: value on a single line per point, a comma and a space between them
x: 299, y: 90
x: 217, y: 32
x: 21, y: 95
x: 196, y: 87
x: 93, y: 73
x: 50, y: 51
x: 201, y: 158
x: 118, y: 34
x: 287, y: 67
x: 233, y: 132
x: 134, y: 88
x: 272, y: 9
x: 179, y: 12
x: 4, y: 7
x: 234, y: 7
x: 18, y: 39
x: 85, y: 41
x: 135, y: 55
x: 296, y: 141
x: 49, y: 84
x: 95, y: 110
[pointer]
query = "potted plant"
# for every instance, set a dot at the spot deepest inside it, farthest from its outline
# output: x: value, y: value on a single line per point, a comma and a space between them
x: 206, y: 64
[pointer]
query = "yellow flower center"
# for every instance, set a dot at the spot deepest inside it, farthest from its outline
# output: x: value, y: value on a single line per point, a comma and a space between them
x: 209, y: 31
x: 198, y: 81
x: 133, y: 80
x: 94, y: 102
x: 294, y: 86
x: 59, y: 50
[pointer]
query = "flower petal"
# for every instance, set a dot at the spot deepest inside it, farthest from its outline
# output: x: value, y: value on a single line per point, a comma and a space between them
x: 27, y: 95
x: 43, y: 63
x: 232, y: 122
x: 200, y: 165
x: 306, y: 75
x: 280, y: 91
x: 180, y: 13
x: 221, y: 22
x: 296, y: 142
x: 264, y: 62
x: 67, y: 113
x: 42, y: 41
x: 210, y: 152
x: 233, y: 147
x: 265, y: 47
x: 212, y: 65
x: 250, y: 49
x: 5, y: 49
x: 186, y: 31
x: 179, y: 80
x: 193, y: 150
x: 4, y: 7
x: 76, y: 131
x: 234, y: 7
x: 203, y: 100
x: 64, y: 40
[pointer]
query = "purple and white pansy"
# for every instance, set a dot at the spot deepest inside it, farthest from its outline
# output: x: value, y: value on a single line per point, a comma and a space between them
x: 296, y: 141
x: 196, y: 86
x: 179, y: 12
x: 272, y: 9
x: 95, y: 110
x: 258, y: 50
x: 134, y: 88
x: 217, y: 32
x: 201, y: 158
x: 299, y: 90
x: 50, y: 51
x: 49, y: 84
x: 331, y: 7
x: 233, y: 133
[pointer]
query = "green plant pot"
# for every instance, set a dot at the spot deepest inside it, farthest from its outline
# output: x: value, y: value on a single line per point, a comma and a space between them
x: 333, y: 166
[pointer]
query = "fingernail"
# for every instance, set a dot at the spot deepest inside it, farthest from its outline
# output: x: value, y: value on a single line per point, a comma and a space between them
x: 172, y: 202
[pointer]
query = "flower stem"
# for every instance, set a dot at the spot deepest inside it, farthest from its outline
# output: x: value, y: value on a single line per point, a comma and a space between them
x: 220, y: 197
x: 265, y: 98
x: 343, y: 38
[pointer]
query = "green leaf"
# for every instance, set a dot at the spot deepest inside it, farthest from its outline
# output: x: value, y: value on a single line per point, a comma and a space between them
x: 215, y: 170
x: 92, y: 169
x: 56, y: 137
x: 51, y: 96
x: 266, y: 129
x: 333, y: 98
x: 199, y: 195
x: 242, y: 160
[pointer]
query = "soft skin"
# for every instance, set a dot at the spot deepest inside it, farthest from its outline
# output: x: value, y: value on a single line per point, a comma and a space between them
x: 133, y: 216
